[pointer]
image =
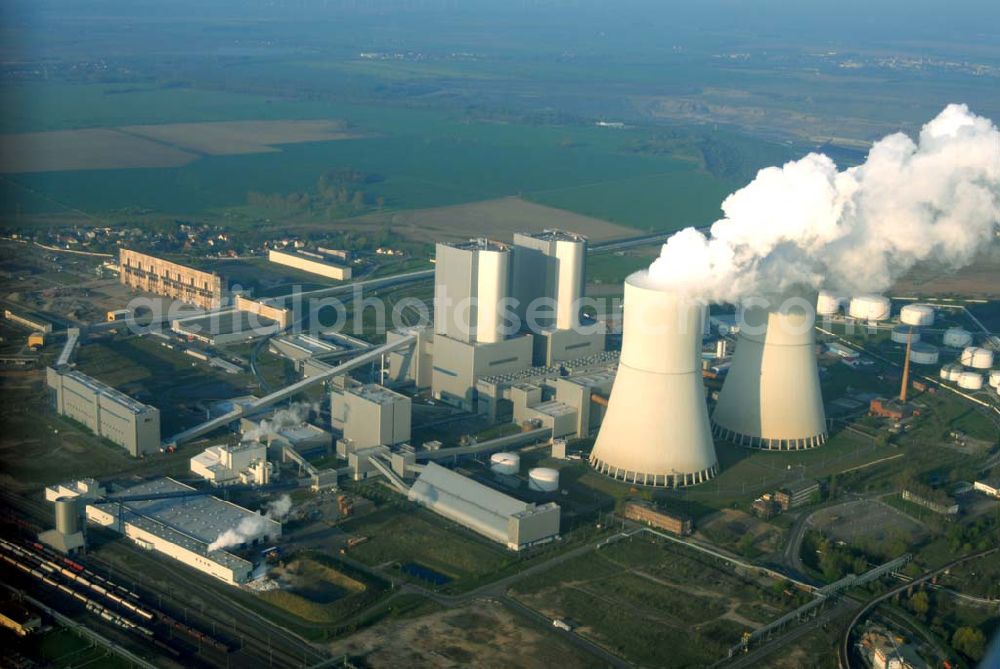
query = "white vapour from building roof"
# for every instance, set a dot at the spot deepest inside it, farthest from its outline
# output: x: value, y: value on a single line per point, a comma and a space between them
x: 251, y: 527
x: 853, y: 231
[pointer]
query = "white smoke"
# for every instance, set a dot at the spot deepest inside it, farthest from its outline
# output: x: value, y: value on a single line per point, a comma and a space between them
x: 296, y: 414
x: 853, y: 231
x: 253, y: 526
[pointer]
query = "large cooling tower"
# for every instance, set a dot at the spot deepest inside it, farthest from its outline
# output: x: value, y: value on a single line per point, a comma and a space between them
x: 656, y: 430
x: 771, y: 397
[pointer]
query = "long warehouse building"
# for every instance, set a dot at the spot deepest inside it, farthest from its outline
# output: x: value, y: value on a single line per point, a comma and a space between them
x: 107, y: 412
x: 184, y: 528
x: 314, y: 263
x: 483, y: 510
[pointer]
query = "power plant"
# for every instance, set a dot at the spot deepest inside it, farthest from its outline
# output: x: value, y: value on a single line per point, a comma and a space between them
x: 771, y: 397
x: 656, y: 430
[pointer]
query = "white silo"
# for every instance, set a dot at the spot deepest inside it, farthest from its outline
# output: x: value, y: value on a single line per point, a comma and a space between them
x: 917, y: 314
x: 977, y: 358
x: 901, y: 334
x: 970, y: 380
x: 771, y: 398
x: 956, y: 337
x: 543, y: 479
x: 923, y: 353
x: 870, y: 308
x: 827, y: 303
x: 994, y: 378
x: 505, y: 463
x: 951, y: 372
x: 656, y: 431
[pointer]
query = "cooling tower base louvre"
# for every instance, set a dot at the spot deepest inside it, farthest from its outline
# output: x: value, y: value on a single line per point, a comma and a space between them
x: 764, y: 444
x: 678, y: 480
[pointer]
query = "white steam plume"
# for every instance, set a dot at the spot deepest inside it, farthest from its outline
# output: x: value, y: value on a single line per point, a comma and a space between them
x: 853, y: 231
x: 251, y: 527
x: 296, y: 414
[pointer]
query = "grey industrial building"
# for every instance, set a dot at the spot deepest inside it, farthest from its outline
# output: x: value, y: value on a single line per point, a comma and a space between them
x: 486, y: 511
x: 550, y: 273
x: 107, y: 412
x: 183, y: 528
x: 369, y: 415
x: 485, y: 294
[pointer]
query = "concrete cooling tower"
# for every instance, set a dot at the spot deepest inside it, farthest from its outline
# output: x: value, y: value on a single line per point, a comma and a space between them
x: 771, y: 397
x: 656, y: 431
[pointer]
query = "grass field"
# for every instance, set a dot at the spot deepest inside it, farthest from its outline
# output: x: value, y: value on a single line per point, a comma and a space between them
x: 651, y: 601
x: 143, y: 146
x: 415, y: 537
x: 425, y: 159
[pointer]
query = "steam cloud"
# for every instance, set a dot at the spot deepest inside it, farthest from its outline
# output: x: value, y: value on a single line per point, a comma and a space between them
x: 253, y: 526
x: 293, y: 416
x: 853, y: 231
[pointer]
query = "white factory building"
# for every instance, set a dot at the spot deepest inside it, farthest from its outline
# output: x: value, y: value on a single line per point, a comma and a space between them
x: 183, y: 527
x: 486, y: 511
x: 105, y: 411
x: 226, y: 464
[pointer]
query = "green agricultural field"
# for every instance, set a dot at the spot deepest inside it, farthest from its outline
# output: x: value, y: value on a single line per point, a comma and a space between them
x: 423, y: 159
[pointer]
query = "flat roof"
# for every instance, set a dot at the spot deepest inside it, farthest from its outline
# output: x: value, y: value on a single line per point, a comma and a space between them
x: 555, y: 235
x: 375, y: 393
x: 554, y: 408
x: 479, y: 244
x: 225, y: 323
x: 101, y: 388
x: 202, y: 518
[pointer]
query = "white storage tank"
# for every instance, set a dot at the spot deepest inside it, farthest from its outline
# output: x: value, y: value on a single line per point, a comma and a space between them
x: 922, y: 353
x: 917, y: 314
x: 870, y: 308
x: 957, y: 337
x: 951, y: 372
x: 903, y: 333
x: 505, y: 463
x: 543, y: 479
x: 977, y: 358
x: 827, y: 303
x: 995, y: 378
x: 970, y: 380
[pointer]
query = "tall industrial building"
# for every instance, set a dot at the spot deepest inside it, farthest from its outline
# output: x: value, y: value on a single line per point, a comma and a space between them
x: 656, y: 430
x: 107, y: 412
x: 370, y: 415
x: 771, y: 398
x: 162, y: 277
x: 471, y: 339
x: 551, y: 266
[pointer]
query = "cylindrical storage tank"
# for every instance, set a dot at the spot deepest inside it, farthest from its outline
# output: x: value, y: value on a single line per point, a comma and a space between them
x: 954, y: 372
x: 977, y: 358
x: 827, y: 303
x: 543, y: 479
x: 771, y: 398
x: 67, y: 515
x: 655, y: 431
x: 903, y: 333
x: 492, y: 287
x: 870, y: 308
x: 505, y: 463
x: 917, y: 314
x: 922, y: 353
x: 956, y: 337
x: 995, y: 378
x: 970, y: 380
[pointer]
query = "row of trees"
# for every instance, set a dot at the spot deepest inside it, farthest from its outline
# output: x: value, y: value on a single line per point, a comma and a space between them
x: 338, y: 192
x: 938, y: 611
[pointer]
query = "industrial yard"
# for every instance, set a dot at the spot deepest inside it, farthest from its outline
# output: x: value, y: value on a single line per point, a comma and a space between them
x: 411, y: 357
